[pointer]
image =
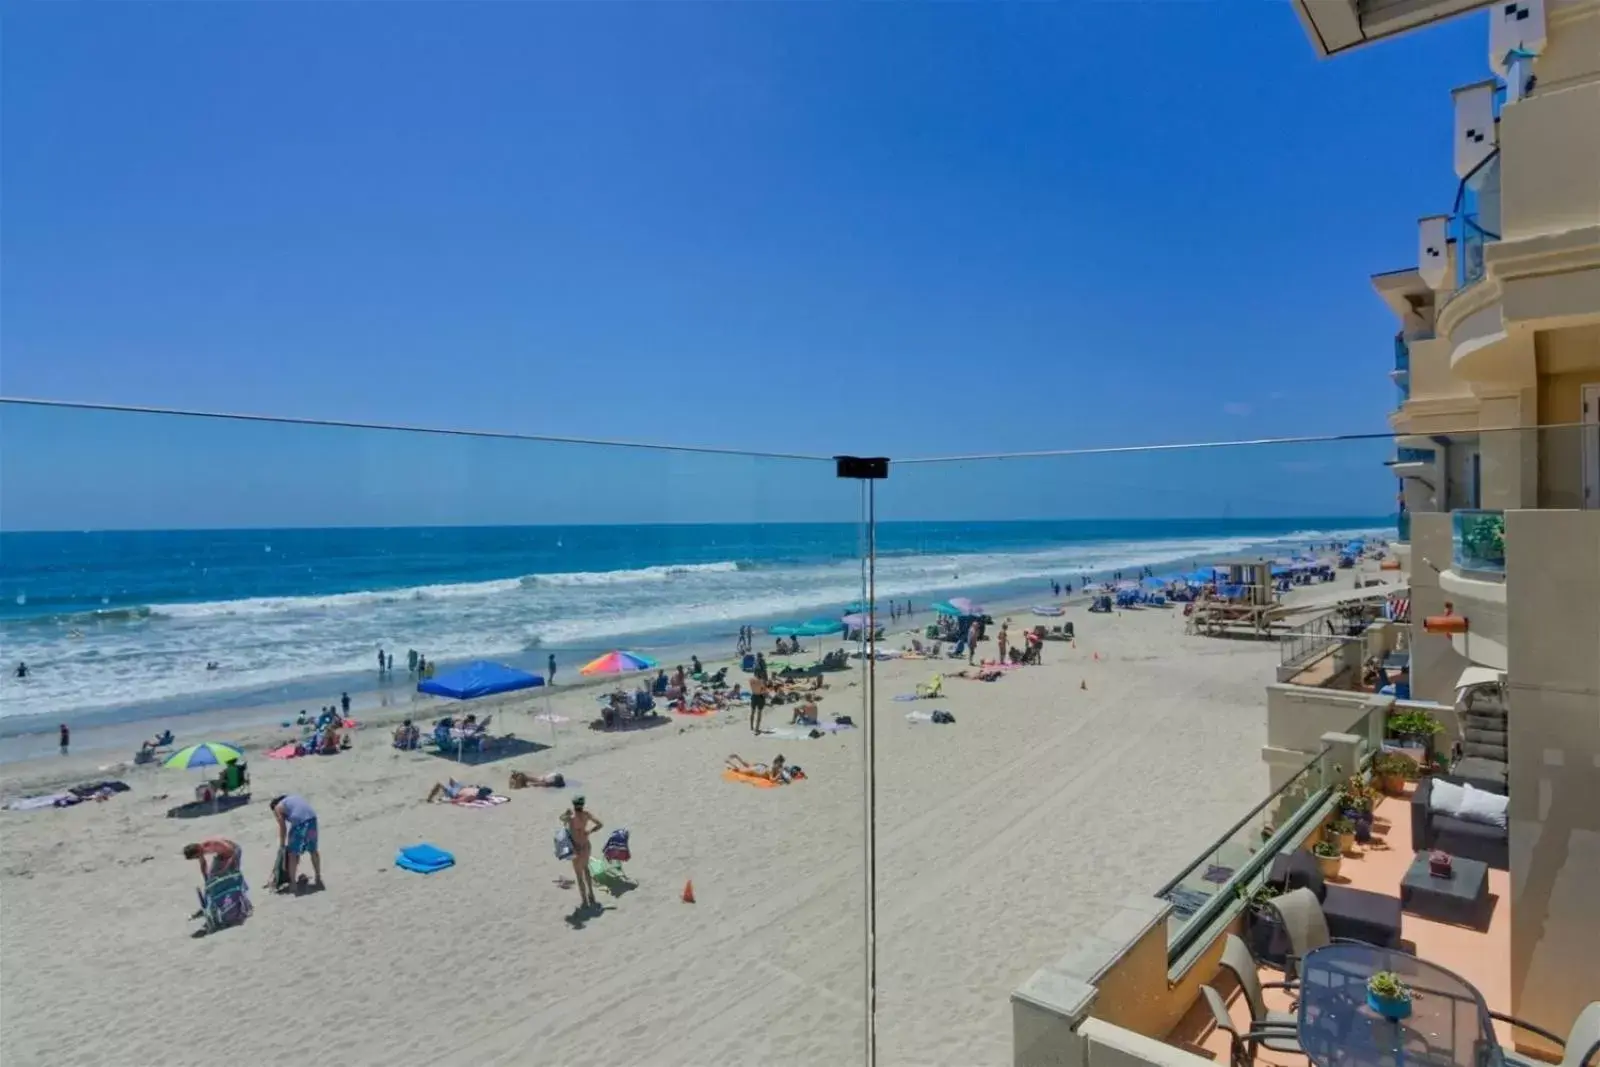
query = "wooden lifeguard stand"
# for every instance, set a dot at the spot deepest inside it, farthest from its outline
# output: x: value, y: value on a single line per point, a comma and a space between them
x: 1253, y: 609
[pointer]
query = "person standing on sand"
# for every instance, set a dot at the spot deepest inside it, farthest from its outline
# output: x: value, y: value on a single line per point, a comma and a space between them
x: 580, y: 824
x: 66, y: 738
x: 411, y: 661
x: 344, y: 703
x: 972, y: 641
x: 758, y: 699
x: 551, y: 663
x: 297, y: 835
x: 1000, y: 639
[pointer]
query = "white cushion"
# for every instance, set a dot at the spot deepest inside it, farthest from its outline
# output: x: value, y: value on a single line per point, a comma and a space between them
x: 1482, y: 806
x: 1446, y: 798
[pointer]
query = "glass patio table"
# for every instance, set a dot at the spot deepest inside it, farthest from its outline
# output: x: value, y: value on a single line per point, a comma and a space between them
x: 1449, y: 1024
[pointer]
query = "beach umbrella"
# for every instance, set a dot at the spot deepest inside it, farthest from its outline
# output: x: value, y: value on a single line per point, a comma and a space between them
x: 854, y: 621
x: 965, y: 606
x: 821, y: 627
x: 1156, y: 583
x: 944, y: 607
x: 618, y: 662
x: 205, y: 754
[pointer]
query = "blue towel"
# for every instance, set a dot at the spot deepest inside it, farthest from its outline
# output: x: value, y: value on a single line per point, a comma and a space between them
x: 907, y: 696
x: 424, y: 859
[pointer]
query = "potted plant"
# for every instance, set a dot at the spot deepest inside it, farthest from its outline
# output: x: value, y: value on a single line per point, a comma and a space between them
x: 1328, y: 855
x: 1416, y: 726
x: 1261, y: 923
x: 1388, y: 995
x: 1392, y: 771
x: 1343, y: 833
x: 1361, y: 816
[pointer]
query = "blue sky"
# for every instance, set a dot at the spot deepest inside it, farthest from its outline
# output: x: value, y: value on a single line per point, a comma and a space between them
x: 904, y: 229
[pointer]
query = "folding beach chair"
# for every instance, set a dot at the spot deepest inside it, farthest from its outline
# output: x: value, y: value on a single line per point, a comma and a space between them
x: 225, y: 901
x: 931, y: 689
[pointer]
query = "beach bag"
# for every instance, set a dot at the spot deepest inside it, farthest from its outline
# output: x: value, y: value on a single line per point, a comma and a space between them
x: 843, y: 720
x: 564, y: 849
x: 943, y: 717
x: 616, y: 848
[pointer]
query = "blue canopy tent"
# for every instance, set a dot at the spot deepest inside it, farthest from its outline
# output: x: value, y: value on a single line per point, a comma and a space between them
x: 482, y: 678
x: 479, y: 678
x: 1157, y: 583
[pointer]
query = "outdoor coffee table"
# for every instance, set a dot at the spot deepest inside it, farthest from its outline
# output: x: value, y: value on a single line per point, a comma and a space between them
x: 1462, y: 898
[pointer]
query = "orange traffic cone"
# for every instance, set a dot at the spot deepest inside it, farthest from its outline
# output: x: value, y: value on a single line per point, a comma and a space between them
x: 688, y: 892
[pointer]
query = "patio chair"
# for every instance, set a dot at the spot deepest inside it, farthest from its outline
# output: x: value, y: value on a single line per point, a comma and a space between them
x: 1236, y: 958
x: 1582, y: 1046
x: 1243, y: 1045
x: 1306, y: 926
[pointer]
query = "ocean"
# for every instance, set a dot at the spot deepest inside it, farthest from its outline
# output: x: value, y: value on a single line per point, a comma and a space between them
x: 122, y: 625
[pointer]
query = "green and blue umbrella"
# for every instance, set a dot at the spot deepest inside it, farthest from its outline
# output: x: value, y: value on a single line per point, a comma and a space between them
x: 205, y: 754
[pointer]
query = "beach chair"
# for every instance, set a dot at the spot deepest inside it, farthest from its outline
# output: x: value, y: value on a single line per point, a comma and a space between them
x: 225, y: 901
x: 931, y: 689
x: 235, y: 778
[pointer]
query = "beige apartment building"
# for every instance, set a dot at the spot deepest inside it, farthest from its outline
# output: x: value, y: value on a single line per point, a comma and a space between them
x: 1497, y: 460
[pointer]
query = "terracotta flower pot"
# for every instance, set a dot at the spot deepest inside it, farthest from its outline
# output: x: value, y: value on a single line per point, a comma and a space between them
x: 1329, y: 866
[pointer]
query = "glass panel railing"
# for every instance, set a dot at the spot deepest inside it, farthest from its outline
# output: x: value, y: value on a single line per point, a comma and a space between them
x: 1478, y: 541
x: 1476, y: 222
x: 1414, y: 455
x: 1230, y: 866
x: 1403, y: 526
x: 1402, y: 354
x: 562, y: 615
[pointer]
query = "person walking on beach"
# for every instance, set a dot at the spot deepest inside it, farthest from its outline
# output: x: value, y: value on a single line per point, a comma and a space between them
x: 972, y: 641
x: 580, y: 824
x: 344, y: 704
x: 389, y: 664
x: 66, y: 738
x: 551, y: 663
x: 297, y: 835
x: 380, y: 660
x: 758, y: 699
x: 411, y: 661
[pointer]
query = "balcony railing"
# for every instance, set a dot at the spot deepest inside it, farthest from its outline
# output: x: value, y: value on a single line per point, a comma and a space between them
x: 1413, y: 455
x: 1478, y: 541
x: 1475, y: 223
x: 1402, y: 354
x: 1403, y: 527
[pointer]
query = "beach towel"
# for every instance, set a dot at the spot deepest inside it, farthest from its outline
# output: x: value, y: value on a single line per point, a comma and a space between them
x: 48, y: 800
x: 907, y: 696
x: 476, y: 801
x: 760, y: 781
x: 289, y: 751
x: 553, y: 719
x: 424, y: 859
x: 930, y: 716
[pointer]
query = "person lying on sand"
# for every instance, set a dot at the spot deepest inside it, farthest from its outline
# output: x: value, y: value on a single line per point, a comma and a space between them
x: 776, y: 772
x: 520, y: 780
x: 454, y: 790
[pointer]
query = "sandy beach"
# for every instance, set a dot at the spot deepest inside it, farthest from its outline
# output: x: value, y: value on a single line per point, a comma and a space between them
x: 1059, y: 789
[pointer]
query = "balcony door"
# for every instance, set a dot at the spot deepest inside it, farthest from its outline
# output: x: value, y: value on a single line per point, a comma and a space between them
x: 1591, y: 445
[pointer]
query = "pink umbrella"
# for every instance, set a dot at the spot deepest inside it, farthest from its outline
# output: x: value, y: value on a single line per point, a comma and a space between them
x: 855, y: 622
x: 965, y: 606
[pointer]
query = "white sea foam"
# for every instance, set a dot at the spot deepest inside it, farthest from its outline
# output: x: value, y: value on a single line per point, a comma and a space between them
x: 259, y: 643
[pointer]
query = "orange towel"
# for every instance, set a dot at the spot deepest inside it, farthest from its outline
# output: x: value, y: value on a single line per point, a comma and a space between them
x: 761, y: 781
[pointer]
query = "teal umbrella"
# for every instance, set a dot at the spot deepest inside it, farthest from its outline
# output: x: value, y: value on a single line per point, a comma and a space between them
x: 944, y: 607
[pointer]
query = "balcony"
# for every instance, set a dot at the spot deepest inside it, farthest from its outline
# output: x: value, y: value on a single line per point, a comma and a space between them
x: 1475, y: 585
x: 1478, y: 542
x: 1401, y: 375
x: 1403, y: 527
x: 1475, y: 223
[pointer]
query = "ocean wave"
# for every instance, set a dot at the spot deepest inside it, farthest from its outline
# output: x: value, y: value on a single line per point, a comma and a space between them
x: 628, y: 577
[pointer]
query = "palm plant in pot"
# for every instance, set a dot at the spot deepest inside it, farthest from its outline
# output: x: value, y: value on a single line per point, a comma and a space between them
x: 1388, y: 995
x: 1261, y: 924
x: 1328, y: 856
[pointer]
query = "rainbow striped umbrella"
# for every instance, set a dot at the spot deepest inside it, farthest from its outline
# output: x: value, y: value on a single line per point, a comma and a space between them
x: 617, y: 662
